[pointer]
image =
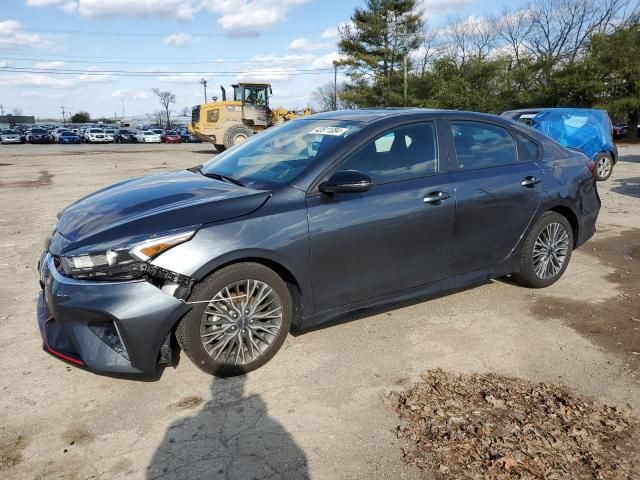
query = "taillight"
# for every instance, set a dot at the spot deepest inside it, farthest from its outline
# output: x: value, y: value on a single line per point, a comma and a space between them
x: 591, y: 165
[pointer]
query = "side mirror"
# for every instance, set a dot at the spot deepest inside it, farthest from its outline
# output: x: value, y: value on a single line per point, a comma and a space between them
x: 346, y: 181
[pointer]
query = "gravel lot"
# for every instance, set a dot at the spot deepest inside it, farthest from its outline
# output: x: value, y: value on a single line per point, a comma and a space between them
x: 317, y: 410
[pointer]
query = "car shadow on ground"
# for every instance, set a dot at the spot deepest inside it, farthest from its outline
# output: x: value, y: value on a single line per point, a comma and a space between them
x: 630, y: 158
x: 627, y: 186
x: 231, y: 437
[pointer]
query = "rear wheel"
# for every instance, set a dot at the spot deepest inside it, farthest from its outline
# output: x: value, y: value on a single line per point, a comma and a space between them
x: 236, y: 135
x: 604, y: 166
x: 242, y: 318
x: 546, y: 251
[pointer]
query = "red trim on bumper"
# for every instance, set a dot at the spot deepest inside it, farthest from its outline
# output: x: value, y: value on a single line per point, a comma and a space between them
x: 55, y: 352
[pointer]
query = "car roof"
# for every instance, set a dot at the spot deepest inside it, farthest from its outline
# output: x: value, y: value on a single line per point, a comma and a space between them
x: 369, y: 115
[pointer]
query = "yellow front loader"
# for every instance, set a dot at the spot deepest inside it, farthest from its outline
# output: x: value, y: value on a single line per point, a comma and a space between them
x: 226, y: 123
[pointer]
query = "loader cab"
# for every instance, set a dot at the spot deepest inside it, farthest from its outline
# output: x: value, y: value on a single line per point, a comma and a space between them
x: 255, y: 103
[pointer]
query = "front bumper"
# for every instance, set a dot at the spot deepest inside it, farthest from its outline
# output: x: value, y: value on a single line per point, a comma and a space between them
x: 70, y: 311
x: 11, y: 140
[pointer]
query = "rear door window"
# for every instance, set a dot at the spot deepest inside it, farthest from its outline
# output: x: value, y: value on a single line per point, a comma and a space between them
x: 482, y: 145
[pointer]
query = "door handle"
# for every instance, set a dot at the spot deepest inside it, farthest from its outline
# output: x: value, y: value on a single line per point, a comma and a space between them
x: 436, y: 197
x: 530, y: 181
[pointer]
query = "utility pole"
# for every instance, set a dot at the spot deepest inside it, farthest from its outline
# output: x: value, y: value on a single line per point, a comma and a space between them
x: 63, y: 120
x: 335, y: 85
x: 2, y: 110
x: 122, y: 98
x: 405, y: 79
x: 404, y: 61
x: 203, y: 82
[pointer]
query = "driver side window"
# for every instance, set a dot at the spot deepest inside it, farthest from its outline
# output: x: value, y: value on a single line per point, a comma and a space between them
x: 405, y: 152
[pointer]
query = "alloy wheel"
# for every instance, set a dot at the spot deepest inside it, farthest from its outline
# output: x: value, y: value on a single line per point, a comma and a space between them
x: 241, y: 322
x: 604, y: 167
x: 550, y: 251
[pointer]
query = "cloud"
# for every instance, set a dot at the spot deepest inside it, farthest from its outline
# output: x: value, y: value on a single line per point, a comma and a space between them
x: 179, y: 39
x: 306, y: 45
x: 433, y: 8
x: 131, y: 94
x: 36, y: 80
x: 276, y: 74
x: 95, y: 75
x: 180, y: 9
x: 326, y: 61
x: 54, y: 65
x: 250, y: 17
x: 180, y: 78
x: 333, y: 33
x: 12, y: 35
x: 42, y: 3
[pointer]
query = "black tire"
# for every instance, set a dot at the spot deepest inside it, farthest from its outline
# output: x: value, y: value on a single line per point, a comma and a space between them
x: 604, y: 166
x: 188, y: 331
x: 219, y: 147
x: 527, y: 275
x: 236, y: 134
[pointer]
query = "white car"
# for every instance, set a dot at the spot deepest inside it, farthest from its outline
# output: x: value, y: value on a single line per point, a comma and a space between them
x: 110, y: 135
x: 10, y: 136
x: 94, y: 135
x: 148, y: 136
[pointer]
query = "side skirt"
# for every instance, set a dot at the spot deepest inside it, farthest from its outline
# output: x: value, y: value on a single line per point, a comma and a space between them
x: 426, y: 292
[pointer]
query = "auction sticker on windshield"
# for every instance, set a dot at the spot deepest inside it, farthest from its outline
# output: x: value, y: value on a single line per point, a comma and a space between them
x: 335, y: 131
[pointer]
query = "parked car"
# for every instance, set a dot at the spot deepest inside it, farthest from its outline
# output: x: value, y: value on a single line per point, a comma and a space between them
x: 10, y: 135
x: 147, y: 136
x: 94, y: 135
x: 189, y: 137
x: 620, y: 131
x: 110, y: 134
x: 274, y: 235
x: 38, y: 135
x: 171, y: 137
x: 68, y: 137
x: 55, y: 133
x: 586, y: 130
x: 125, y: 136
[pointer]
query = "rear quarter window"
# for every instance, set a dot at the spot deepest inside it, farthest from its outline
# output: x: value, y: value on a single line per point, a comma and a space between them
x: 528, y: 150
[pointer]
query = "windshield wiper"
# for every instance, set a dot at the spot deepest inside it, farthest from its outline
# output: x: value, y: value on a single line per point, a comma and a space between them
x: 216, y: 176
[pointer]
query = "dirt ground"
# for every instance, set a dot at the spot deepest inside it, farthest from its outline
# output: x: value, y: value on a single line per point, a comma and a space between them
x: 318, y: 408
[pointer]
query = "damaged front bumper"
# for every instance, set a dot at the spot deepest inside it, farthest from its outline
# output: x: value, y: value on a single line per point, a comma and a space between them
x: 118, y: 327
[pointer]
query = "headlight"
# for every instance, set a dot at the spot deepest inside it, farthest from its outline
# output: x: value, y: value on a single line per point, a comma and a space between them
x: 120, y: 263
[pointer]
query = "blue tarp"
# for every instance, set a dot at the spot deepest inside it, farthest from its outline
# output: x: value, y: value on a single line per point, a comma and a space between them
x: 586, y: 130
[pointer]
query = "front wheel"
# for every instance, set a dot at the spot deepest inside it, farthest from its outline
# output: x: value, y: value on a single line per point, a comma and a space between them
x: 604, y: 166
x: 236, y: 135
x: 241, y: 319
x: 546, y: 251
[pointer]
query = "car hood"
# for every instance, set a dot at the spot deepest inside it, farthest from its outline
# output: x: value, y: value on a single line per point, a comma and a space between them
x: 154, y: 204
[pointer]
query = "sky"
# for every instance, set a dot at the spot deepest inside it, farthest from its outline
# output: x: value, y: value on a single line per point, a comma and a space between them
x: 106, y: 56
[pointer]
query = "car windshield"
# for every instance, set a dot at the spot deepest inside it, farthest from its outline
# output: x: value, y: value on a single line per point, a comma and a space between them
x: 38, y: 130
x: 278, y: 155
x: 9, y: 132
x: 67, y: 134
x: 148, y: 133
x: 157, y: 132
x: 95, y: 130
x: 125, y: 132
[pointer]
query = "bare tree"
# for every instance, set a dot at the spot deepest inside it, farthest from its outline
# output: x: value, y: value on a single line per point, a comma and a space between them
x: 166, y: 98
x: 322, y: 98
x: 471, y: 38
x: 185, y: 112
x: 16, y: 112
x: 429, y: 51
x: 159, y: 117
x: 513, y: 28
x: 560, y: 28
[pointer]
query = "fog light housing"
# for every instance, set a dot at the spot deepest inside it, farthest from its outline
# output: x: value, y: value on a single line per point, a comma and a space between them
x: 110, y: 336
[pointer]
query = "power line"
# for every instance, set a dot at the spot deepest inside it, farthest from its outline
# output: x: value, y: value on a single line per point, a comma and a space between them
x: 193, y: 62
x: 129, y: 73
x: 97, y: 33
